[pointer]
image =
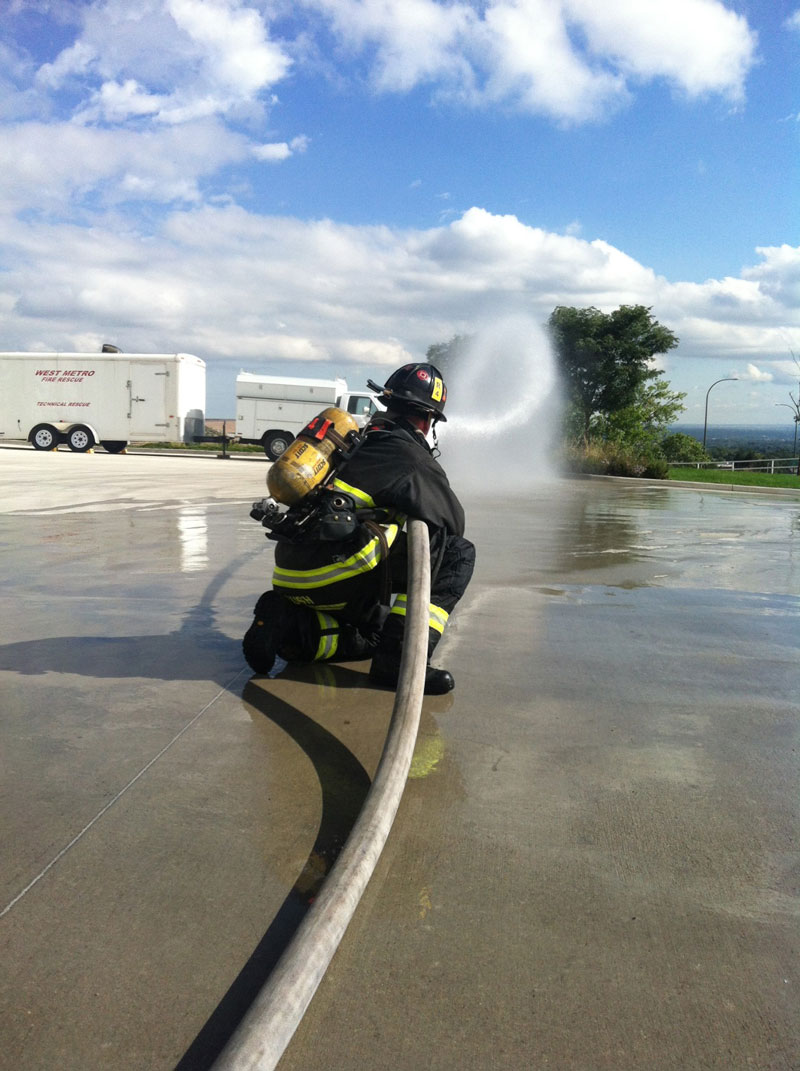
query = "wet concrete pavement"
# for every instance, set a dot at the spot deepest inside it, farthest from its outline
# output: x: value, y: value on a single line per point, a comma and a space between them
x: 595, y: 864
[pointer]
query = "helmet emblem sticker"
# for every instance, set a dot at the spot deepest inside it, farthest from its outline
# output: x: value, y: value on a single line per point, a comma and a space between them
x: 423, y: 375
x: 438, y: 389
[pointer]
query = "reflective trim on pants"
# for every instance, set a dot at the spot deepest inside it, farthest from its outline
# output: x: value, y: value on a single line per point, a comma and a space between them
x: 437, y: 617
x: 328, y: 637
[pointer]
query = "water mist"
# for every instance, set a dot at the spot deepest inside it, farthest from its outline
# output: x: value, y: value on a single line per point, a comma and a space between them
x: 502, y: 410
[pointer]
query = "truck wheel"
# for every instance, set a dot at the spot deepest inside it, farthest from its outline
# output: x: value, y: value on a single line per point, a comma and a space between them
x: 43, y: 437
x: 275, y: 442
x: 114, y: 446
x: 80, y: 439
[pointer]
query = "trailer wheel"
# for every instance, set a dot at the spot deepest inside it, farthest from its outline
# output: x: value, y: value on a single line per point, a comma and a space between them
x: 275, y: 442
x: 44, y: 437
x: 80, y: 439
x: 114, y: 446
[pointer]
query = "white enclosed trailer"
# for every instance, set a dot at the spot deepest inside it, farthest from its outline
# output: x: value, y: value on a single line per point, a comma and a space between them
x: 109, y: 398
x: 271, y: 410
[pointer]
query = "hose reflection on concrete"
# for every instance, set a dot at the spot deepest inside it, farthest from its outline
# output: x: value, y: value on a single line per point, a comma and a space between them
x: 267, y: 1029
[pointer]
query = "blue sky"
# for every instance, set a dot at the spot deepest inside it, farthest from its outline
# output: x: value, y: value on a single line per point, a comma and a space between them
x: 330, y: 186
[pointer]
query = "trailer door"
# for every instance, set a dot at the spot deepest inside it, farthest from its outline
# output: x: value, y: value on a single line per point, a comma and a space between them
x: 147, y: 400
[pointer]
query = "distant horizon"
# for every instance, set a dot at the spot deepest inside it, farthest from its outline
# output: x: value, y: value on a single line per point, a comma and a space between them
x: 789, y: 425
x: 699, y: 424
x: 679, y: 427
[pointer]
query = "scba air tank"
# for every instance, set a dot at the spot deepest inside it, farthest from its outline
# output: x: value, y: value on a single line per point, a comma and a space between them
x: 308, y: 460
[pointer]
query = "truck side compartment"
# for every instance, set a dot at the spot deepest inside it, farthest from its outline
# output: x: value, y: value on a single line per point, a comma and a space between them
x: 272, y: 410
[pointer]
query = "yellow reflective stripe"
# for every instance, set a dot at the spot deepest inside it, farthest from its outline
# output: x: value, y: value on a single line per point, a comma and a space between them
x: 329, y: 637
x: 326, y: 648
x: 361, y: 497
x: 399, y: 605
x: 326, y: 620
x: 361, y: 562
x: 390, y: 533
x: 437, y: 617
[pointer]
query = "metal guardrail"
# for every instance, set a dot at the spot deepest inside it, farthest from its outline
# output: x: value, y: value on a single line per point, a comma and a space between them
x: 762, y: 464
x: 268, y: 1026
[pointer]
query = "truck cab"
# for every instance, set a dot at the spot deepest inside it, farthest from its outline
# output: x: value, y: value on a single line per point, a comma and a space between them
x: 360, y: 405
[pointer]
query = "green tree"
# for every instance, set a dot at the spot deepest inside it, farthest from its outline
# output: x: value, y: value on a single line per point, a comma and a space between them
x: 642, y: 424
x: 679, y: 446
x: 604, y: 358
x: 445, y: 354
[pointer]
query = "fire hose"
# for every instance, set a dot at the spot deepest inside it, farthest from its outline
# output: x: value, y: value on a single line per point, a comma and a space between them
x: 270, y: 1022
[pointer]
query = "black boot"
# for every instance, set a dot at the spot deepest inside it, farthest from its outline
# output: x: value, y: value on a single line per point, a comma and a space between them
x: 261, y: 641
x: 385, y: 670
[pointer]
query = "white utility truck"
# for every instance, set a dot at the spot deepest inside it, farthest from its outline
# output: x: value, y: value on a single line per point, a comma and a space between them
x: 271, y: 410
x: 110, y: 398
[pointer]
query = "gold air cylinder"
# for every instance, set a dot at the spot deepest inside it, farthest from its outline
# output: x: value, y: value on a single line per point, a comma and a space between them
x: 308, y: 460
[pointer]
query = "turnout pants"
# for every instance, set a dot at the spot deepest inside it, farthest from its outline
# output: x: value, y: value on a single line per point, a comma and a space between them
x: 333, y: 607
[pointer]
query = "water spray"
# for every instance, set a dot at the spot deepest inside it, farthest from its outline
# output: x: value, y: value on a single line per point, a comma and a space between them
x: 502, y: 408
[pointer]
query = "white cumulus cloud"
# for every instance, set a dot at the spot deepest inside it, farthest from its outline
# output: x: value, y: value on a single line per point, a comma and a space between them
x: 175, y: 60
x: 114, y: 102
x: 280, y: 150
x: 572, y: 60
x: 47, y: 167
x: 75, y: 60
x: 224, y: 282
x: 535, y: 63
x: 414, y: 41
x: 756, y: 375
x: 698, y: 45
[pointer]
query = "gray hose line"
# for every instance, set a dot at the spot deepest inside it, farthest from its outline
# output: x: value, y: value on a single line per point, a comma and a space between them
x: 268, y: 1026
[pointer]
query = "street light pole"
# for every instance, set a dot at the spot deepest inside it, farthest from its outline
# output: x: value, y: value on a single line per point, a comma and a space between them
x: 796, y: 411
x: 795, y: 408
x: 726, y: 379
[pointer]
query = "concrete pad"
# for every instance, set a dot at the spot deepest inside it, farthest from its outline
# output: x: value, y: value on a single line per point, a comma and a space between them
x: 160, y: 818
x: 600, y: 868
x: 595, y: 862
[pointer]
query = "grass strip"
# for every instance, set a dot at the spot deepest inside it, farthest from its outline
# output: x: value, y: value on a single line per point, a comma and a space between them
x: 739, y: 477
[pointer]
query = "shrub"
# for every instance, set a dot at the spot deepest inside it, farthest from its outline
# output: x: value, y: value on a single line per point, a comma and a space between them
x: 612, y: 459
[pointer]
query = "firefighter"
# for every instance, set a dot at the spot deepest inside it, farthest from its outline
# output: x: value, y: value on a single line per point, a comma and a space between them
x: 330, y: 601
